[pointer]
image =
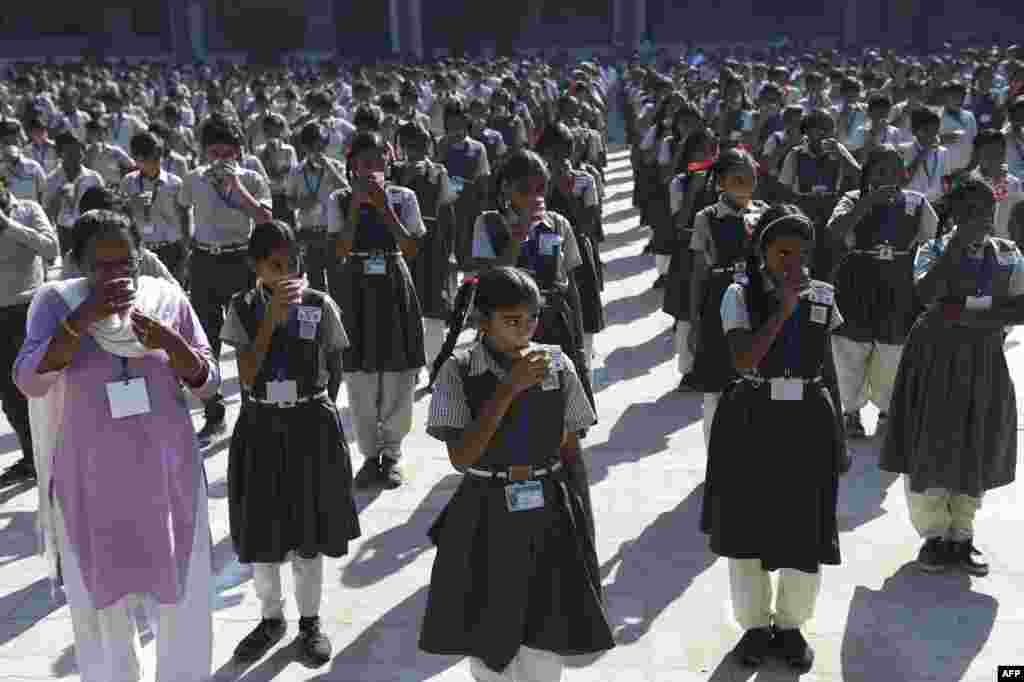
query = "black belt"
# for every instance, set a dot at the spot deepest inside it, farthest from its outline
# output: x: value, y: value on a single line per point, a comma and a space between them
x: 757, y: 380
x: 524, y: 472
x: 731, y: 269
x: 316, y: 229
x: 301, y: 400
x: 221, y: 249
x: 154, y: 246
x: 375, y: 254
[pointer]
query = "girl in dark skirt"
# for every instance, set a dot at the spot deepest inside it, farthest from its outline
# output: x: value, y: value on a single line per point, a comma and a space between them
x: 515, y: 583
x: 467, y: 163
x: 817, y: 173
x: 378, y: 226
x: 573, y: 194
x: 777, y: 326
x: 433, y: 269
x: 878, y: 227
x: 953, y: 421
x: 289, y: 472
x: 691, y: 191
x: 722, y: 241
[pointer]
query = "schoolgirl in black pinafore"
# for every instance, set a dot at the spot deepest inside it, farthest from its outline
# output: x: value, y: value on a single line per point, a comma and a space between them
x: 505, y: 579
x: 289, y: 469
x: 556, y: 146
x: 699, y: 146
x: 381, y: 311
x: 463, y: 159
x: 877, y: 294
x: 433, y: 268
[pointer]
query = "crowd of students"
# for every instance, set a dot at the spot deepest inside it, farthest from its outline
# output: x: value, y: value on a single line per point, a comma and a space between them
x: 828, y: 229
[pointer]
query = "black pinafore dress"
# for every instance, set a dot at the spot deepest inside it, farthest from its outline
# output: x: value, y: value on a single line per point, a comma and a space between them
x: 462, y: 161
x: 713, y: 367
x: 560, y: 322
x: 289, y: 470
x: 680, y: 269
x: 875, y: 281
x: 819, y: 182
x: 504, y: 579
x: 659, y: 212
x: 433, y: 268
x: 379, y: 305
x: 589, y: 280
x: 771, y: 491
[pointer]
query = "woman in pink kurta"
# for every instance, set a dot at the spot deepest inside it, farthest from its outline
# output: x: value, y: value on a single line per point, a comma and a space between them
x: 128, y: 488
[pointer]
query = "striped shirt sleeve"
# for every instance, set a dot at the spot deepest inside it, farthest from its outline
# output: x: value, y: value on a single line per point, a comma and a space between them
x: 449, y: 410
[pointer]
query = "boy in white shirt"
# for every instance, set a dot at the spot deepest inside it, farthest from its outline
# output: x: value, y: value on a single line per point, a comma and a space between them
x: 926, y: 159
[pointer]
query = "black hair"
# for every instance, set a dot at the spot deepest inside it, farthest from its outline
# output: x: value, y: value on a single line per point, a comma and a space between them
x: 554, y: 136
x: 369, y: 117
x: 519, y: 166
x: 954, y: 86
x: 785, y: 220
x: 876, y: 156
x: 269, y: 237
x: 879, y: 99
x: 220, y: 129
x: 972, y: 184
x: 492, y: 288
x: 100, y: 222
x: 919, y: 118
x: 816, y: 119
x: 146, y: 145
x: 413, y: 132
x: 732, y: 160
x: 313, y: 133
x: 455, y: 108
x: 66, y: 139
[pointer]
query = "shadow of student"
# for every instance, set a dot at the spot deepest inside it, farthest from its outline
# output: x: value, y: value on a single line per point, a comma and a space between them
x: 917, y: 626
x: 384, y: 554
x: 389, y: 648
x: 864, y: 487
x: 629, y: 362
x: 654, y: 569
x: 643, y: 430
x: 627, y: 266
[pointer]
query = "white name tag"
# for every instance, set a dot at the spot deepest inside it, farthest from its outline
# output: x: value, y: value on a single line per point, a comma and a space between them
x: 282, y: 391
x: 524, y: 496
x: 823, y: 296
x: 375, y: 266
x: 456, y: 184
x: 820, y: 189
x: 548, y: 242
x: 787, y: 389
x: 580, y: 184
x: 985, y: 118
x: 128, y: 398
x: 978, y: 302
x: 308, y: 313
x: 148, y: 229
x: 819, y: 314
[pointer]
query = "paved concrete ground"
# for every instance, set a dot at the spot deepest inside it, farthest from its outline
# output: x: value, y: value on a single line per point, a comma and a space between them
x: 877, y: 620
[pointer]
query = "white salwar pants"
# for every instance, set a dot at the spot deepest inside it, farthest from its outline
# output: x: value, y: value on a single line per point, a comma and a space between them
x: 529, y: 665
x: 308, y: 575
x: 751, y: 588
x: 434, y: 333
x: 381, y: 405
x: 107, y: 647
x: 939, y: 513
x: 662, y: 263
x: 865, y: 371
x: 683, y: 355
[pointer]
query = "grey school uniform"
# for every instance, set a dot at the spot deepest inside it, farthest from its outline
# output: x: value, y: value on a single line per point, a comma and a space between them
x: 304, y: 181
x: 219, y: 269
x: 62, y: 197
x: 159, y: 215
x: 25, y: 178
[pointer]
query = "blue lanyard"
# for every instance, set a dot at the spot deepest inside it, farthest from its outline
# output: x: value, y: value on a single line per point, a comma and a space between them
x: 277, y: 356
x: 315, y: 192
x: 791, y: 340
x: 983, y: 271
x: 935, y: 166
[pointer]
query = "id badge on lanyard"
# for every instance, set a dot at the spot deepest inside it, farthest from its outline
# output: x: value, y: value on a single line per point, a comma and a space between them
x: 375, y: 265
x: 524, y: 496
x: 128, y: 396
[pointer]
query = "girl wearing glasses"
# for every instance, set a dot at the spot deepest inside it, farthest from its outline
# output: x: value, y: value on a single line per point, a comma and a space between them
x: 505, y: 408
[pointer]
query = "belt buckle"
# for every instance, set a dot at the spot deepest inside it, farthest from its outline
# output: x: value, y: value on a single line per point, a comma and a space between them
x: 520, y: 472
x: 885, y: 252
x: 286, y: 404
x: 214, y: 250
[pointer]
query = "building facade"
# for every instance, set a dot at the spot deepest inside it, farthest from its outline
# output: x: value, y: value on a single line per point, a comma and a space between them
x: 198, y: 29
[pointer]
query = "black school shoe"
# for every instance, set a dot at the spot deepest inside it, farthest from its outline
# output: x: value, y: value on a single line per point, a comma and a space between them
x: 258, y: 642
x: 660, y: 282
x: 754, y: 646
x: 22, y: 470
x: 793, y: 649
x: 369, y: 475
x: 961, y: 555
x: 390, y: 473
x: 314, y: 644
x: 934, y: 556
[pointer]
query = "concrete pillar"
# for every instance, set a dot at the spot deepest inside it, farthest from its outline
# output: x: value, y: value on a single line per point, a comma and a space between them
x: 616, y: 22
x: 850, y: 14
x: 640, y: 22
x: 321, y: 30
x: 393, y: 25
x: 196, y: 22
x: 414, y: 43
